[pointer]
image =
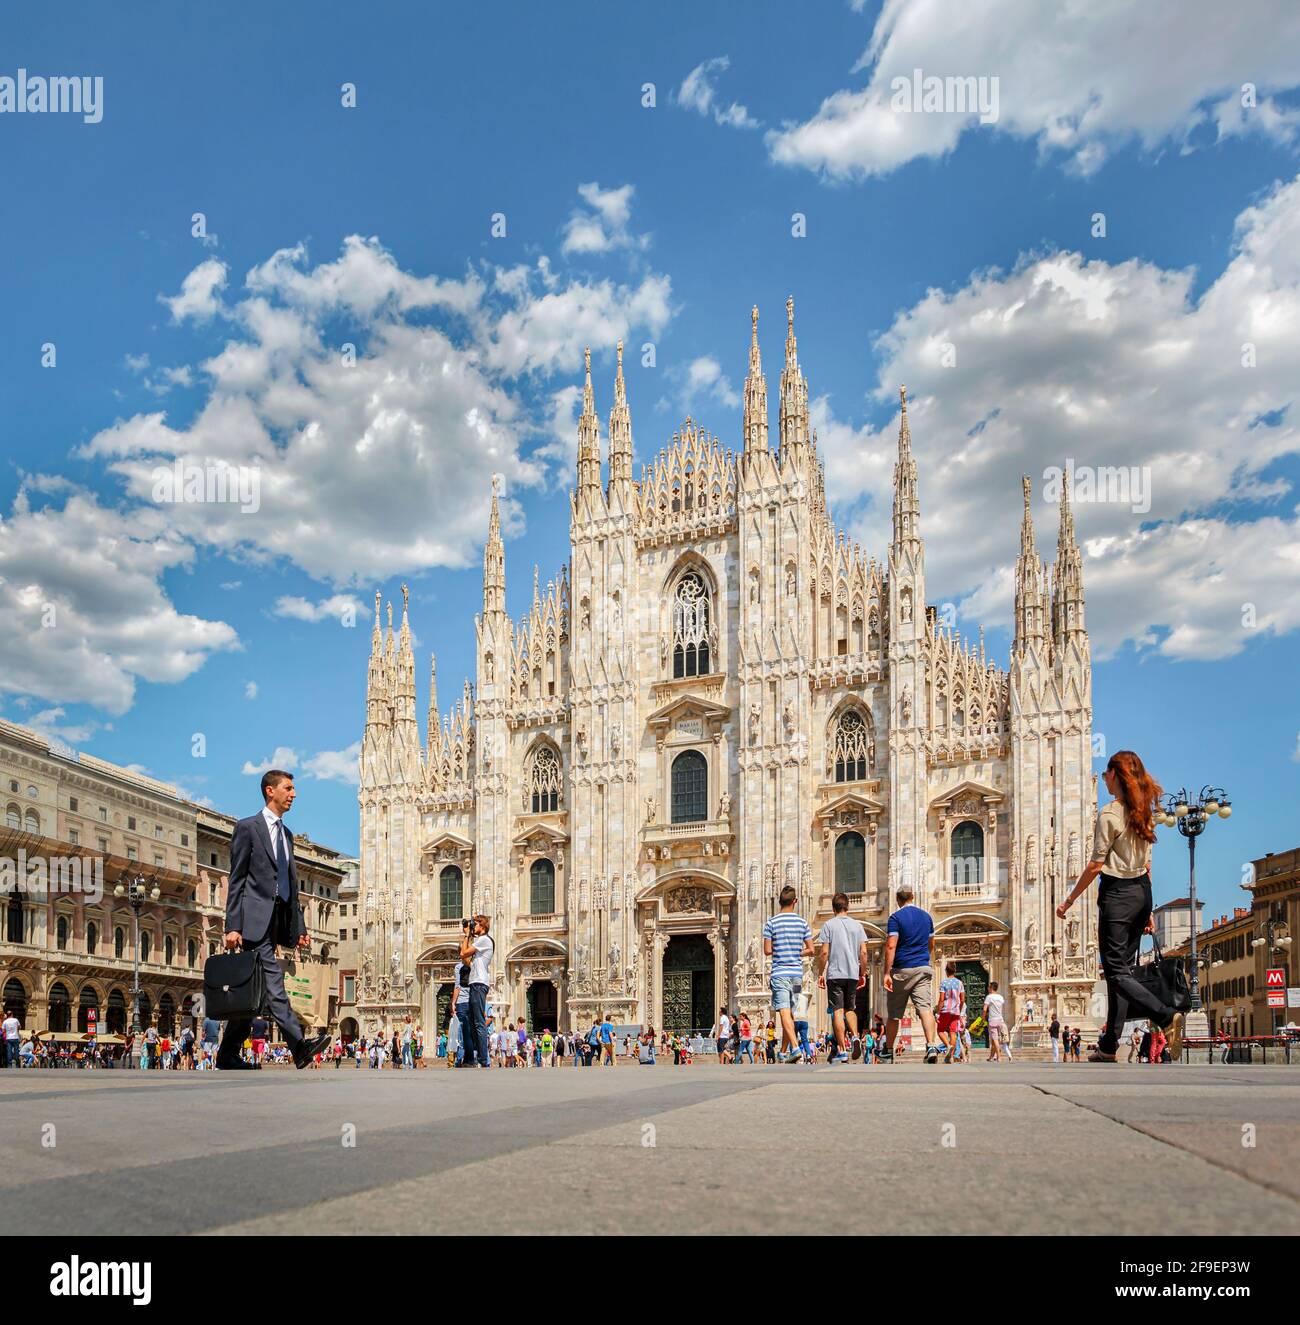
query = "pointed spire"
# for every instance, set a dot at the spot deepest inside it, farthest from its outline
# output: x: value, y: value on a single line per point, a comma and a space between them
x: 1067, y: 585
x: 794, y: 390
x: 494, y: 557
x: 588, y: 438
x: 537, y: 597
x: 376, y: 684
x: 620, y: 434
x: 755, y: 417
x: 1030, y: 619
x: 907, y: 504
x: 433, y: 699
x: 391, y: 648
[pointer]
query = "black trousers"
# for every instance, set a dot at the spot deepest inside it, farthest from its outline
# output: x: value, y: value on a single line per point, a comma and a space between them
x: 277, y: 1000
x: 1124, y: 907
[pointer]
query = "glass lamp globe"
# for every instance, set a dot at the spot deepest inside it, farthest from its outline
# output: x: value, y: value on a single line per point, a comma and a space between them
x: 1180, y: 809
x: 1211, y: 806
x: 119, y: 891
x: 1225, y: 811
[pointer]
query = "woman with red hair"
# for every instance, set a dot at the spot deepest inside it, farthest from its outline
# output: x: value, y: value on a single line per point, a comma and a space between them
x: 1121, y: 855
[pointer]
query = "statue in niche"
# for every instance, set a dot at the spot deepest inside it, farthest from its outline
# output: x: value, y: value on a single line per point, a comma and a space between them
x: 724, y: 805
x: 905, y: 703
x: 1031, y: 938
x: 789, y: 581
x: 615, y: 740
x: 1072, y: 935
x: 787, y: 718
x: 614, y: 956
x: 755, y: 717
x: 651, y: 809
x: 488, y: 668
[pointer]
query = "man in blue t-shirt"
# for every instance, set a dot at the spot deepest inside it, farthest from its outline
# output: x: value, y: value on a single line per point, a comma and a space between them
x: 607, y: 1040
x: 909, y: 956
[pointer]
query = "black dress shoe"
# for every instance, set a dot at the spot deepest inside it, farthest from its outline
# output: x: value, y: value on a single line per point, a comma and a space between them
x: 308, y: 1049
x: 235, y: 1065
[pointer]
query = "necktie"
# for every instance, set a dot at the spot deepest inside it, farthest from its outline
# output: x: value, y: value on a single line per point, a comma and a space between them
x: 281, y: 864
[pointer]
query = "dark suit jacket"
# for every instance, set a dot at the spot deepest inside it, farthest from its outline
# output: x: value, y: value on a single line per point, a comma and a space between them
x: 250, y: 894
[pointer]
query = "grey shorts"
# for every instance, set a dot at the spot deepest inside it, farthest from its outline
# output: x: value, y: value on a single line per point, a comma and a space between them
x: 914, y: 982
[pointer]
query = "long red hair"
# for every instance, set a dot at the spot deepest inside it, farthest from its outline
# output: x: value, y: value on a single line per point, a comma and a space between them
x: 1138, y: 793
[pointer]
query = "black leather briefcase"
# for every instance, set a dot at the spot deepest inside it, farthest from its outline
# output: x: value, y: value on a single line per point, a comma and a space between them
x: 234, y: 986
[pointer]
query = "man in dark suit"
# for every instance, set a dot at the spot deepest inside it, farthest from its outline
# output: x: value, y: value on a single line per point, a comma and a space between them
x: 262, y: 913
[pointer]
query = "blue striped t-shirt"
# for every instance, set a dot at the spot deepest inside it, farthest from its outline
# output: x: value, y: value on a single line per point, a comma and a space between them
x: 788, y: 932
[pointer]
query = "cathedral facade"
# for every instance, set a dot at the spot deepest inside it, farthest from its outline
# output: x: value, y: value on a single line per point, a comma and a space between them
x: 719, y: 695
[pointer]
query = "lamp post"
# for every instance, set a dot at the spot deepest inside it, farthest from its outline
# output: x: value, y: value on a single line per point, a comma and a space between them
x: 1278, y: 940
x: 1191, y: 815
x: 136, y: 893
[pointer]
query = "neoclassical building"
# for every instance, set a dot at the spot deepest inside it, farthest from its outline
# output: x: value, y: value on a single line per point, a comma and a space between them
x: 720, y: 694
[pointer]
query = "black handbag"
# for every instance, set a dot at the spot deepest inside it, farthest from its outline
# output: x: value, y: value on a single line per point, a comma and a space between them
x: 234, y: 986
x: 1165, y: 978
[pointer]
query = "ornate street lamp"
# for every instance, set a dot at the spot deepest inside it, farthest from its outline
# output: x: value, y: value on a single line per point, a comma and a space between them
x: 1191, y: 816
x: 1279, y: 940
x: 136, y: 892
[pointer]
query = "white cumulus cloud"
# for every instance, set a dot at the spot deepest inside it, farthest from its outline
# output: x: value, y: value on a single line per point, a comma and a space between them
x: 1079, y: 80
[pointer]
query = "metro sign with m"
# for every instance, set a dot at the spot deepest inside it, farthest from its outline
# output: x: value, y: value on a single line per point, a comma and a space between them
x: 1276, y: 978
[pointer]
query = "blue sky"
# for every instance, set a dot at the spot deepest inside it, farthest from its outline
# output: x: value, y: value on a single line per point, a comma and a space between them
x: 371, y: 225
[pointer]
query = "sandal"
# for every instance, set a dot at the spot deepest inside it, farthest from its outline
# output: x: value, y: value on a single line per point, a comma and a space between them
x: 1096, y: 1056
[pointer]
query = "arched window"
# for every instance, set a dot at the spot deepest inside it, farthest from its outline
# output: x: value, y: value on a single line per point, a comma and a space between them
x: 115, y: 1014
x: 146, y: 1011
x: 92, y: 937
x: 691, y: 627
x: 15, y: 999
x: 169, y: 949
x: 690, y: 788
x: 14, y: 919
x: 544, y: 782
x: 61, y: 933
x: 119, y: 941
x: 967, y: 857
x: 850, y: 863
x: 451, y: 893
x: 191, y: 952
x: 60, y: 1008
x: 541, y: 888
x: 166, y: 1015
x: 144, y: 946
x: 13, y: 817
x: 852, y: 751
x: 89, y: 999
x: 32, y: 821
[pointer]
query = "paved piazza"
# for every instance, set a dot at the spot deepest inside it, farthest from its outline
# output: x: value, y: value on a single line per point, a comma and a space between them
x: 704, y: 1149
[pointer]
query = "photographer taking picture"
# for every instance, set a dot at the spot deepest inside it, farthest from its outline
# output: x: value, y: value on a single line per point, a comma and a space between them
x: 477, y: 948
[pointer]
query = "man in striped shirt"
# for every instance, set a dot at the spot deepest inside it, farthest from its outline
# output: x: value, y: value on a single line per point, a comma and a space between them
x: 787, y: 940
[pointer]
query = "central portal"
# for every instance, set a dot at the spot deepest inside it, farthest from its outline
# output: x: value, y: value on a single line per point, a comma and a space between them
x: 543, y: 1007
x: 688, y: 984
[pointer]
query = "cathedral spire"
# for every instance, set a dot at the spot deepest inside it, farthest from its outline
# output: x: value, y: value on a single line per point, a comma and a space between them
x: 794, y: 390
x: 907, y: 503
x: 588, y: 438
x: 433, y: 702
x: 494, y: 558
x: 620, y: 435
x: 755, y: 423
x: 376, y: 676
x: 1029, y: 582
x: 1067, y: 598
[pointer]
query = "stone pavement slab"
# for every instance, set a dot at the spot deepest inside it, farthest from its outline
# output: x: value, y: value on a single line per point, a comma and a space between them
x: 905, y: 1149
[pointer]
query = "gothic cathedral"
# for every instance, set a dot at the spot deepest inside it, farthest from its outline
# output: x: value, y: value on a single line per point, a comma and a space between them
x: 718, y: 696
